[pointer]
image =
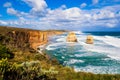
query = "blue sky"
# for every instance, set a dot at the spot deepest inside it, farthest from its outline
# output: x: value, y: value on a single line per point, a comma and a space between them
x: 84, y: 15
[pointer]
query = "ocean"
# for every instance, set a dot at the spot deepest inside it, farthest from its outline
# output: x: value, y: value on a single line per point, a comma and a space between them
x: 102, y: 57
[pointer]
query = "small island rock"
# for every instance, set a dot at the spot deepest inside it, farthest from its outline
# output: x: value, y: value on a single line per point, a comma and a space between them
x: 71, y: 37
x: 89, y: 39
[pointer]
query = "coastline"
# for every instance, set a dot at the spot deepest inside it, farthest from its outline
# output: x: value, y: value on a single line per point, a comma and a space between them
x: 95, y: 53
x: 37, y: 66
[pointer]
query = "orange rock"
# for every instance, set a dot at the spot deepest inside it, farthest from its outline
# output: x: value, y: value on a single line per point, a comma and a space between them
x: 37, y: 38
x: 71, y: 37
x: 32, y: 38
x: 89, y: 39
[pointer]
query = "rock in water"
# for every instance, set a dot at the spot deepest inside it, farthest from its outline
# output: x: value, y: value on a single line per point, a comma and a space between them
x: 71, y: 37
x: 89, y: 39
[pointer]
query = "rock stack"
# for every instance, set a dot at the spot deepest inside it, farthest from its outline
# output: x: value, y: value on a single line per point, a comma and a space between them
x: 71, y: 37
x: 89, y: 39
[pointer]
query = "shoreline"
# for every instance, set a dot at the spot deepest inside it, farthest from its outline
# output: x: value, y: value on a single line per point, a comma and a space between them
x: 48, y: 56
x: 37, y: 66
x: 99, y: 72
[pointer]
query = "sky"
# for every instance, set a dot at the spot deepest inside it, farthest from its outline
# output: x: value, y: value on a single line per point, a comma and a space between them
x: 83, y: 15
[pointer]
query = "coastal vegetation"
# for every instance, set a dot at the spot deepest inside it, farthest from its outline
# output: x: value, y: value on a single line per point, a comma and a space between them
x: 25, y: 63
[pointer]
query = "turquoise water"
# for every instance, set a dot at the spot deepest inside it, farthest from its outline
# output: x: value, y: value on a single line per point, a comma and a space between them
x: 101, y: 57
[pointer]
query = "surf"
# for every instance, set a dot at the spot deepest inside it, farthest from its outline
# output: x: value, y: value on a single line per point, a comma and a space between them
x: 105, y: 51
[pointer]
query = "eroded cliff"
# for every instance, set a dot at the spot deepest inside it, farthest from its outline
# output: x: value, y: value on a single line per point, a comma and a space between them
x: 31, y: 39
x: 37, y: 38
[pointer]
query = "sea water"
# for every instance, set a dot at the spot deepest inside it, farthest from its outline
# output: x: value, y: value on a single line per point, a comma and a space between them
x: 102, y: 57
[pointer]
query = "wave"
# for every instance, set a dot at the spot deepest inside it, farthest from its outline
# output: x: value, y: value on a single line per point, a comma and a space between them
x: 110, y: 52
x: 81, y: 38
x: 62, y: 57
x: 98, y: 69
x: 103, y: 44
x: 105, y: 47
x: 84, y: 55
x: 49, y: 48
x: 41, y: 48
x: 53, y: 46
x: 117, y: 57
x: 114, y: 41
x: 78, y: 32
x: 73, y: 61
x: 63, y: 39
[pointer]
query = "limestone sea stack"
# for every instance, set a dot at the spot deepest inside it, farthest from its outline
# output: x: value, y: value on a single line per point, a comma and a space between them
x: 89, y: 39
x: 71, y: 37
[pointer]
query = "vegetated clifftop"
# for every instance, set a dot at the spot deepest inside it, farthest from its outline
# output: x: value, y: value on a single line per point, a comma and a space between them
x: 26, y: 38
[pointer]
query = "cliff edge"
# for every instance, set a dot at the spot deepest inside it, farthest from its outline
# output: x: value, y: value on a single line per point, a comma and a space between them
x: 26, y: 38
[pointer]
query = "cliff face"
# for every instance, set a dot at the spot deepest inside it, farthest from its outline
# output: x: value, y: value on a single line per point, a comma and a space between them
x: 37, y: 38
x: 31, y: 39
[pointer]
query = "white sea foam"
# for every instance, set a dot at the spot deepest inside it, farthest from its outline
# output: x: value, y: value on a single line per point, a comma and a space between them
x: 63, y: 57
x: 73, y: 61
x: 97, y: 69
x: 109, y: 40
x: 114, y: 57
x: 78, y: 32
x: 110, y: 52
x: 81, y: 37
x: 63, y: 39
x: 113, y: 41
x: 53, y: 46
x: 106, y: 45
x: 49, y: 48
x: 41, y: 48
x: 100, y: 46
x: 84, y: 55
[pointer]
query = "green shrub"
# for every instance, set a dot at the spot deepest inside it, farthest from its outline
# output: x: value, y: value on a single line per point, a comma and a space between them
x: 5, y: 52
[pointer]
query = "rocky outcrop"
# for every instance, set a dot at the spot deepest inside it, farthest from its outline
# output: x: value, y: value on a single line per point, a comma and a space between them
x: 31, y: 39
x: 89, y: 39
x: 71, y: 37
x: 37, y: 38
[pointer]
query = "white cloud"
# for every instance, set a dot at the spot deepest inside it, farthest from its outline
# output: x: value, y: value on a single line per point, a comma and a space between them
x: 7, y: 4
x: 63, y: 17
x: 63, y: 7
x: 11, y: 11
x: 77, y: 18
x: 38, y: 6
x: 19, y: 14
x: 72, y: 12
x: 83, y: 5
x: 104, y: 14
x: 95, y: 1
x: 3, y: 22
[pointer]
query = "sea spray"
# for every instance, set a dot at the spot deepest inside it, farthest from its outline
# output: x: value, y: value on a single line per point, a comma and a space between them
x: 100, y: 57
